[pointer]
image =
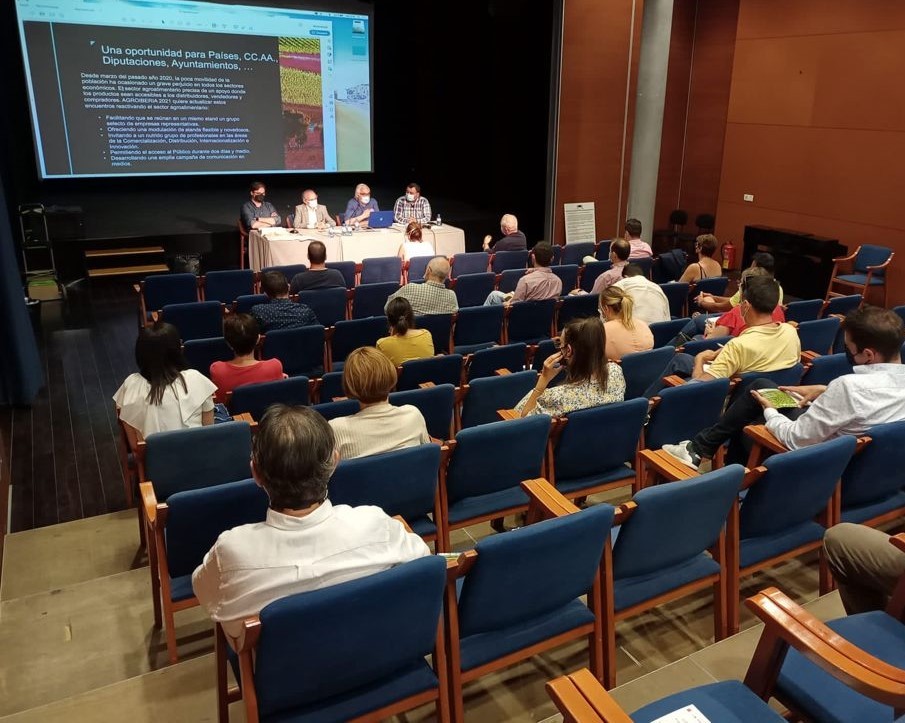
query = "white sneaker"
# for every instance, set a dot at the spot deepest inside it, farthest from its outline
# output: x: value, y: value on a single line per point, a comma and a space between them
x: 683, y: 452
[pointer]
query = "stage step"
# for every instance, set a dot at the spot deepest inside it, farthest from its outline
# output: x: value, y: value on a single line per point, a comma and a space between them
x: 102, y: 253
x: 128, y: 270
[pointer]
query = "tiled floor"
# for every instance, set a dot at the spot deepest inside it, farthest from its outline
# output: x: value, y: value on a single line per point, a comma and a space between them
x: 78, y: 642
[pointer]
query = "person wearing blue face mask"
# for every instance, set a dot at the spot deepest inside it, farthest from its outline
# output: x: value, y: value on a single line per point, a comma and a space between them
x: 849, y: 405
x: 361, y: 206
x: 412, y: 206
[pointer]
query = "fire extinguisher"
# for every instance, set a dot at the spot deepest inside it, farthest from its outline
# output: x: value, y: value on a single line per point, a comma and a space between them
x: 728, y: 253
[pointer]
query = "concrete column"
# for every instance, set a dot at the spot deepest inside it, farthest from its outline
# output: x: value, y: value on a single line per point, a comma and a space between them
x: 656, y: 29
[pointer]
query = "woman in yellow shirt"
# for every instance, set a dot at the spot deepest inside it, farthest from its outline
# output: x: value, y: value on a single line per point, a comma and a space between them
x: 405, y: 342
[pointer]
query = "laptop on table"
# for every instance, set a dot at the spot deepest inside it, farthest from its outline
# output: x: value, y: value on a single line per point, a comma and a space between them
x: 380, y: 219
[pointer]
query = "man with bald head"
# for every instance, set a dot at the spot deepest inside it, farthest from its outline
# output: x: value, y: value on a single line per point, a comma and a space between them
x: 311, y: 214
x: 431, y: 297
x: 513, y: 239
x: 359, y: 208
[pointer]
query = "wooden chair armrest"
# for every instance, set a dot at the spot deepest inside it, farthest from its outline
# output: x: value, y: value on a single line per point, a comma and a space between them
x: 624, y: 511
x: 547, y: 498
x: 501, y: 372
x: 155, y: 316
x: 752, y: 475
x: 881, y: 266
x: 252, y: 631
x: 148, y: 501
x: 859, y: 670
x: 673, y: 380
x: 507, y: 414
x: 404, y: 523
x: 850, y: 257
x: 460, y: 567
x: 136, y: 288
x: 807, y: 357
x: 585, y: 699
x: 665, y: 465
x: 244, y: 417
x: 426, y: 385
x: 764, y: 437
x: 570, y: 702
x: 898, y: 541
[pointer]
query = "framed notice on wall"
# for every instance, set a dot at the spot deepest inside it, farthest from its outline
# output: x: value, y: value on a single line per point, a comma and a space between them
x: 580, y: 222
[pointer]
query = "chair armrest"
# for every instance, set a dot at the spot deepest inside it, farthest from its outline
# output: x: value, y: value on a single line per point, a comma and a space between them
x: 624, y: 511
x: 764, y: 437
x: 136, y: 288
x: 898, y: 541
x: 881, y: 266
x: 673, y: 380
x: 850, y: 257
x: 507, y: 414
x: 665, y: 465
x: 807, y: 357
x: 426, y: 385
x: 582, y: 699
x: 788, y: 622
x: 547, y: 498
x: 501, y: 372
x: 244, y: 417
x: 404, y: 523
x: 460, y: 567
x: 148, y: 501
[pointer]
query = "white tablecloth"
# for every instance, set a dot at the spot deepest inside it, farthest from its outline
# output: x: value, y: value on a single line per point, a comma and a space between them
x: 279, y: 247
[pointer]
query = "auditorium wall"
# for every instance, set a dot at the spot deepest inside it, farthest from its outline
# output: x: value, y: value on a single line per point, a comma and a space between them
x: 816, y: 125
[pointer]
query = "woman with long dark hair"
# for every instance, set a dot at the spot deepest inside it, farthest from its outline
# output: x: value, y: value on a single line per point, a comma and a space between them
x: 164, y: 394
x: 405, y: 342
x: 590, y: 380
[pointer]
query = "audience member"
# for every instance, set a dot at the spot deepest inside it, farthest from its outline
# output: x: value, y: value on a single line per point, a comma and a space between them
x: 361, y: 206
x: 369, y: 377
x: 619, y: 253
x: 412, y: 206
x: 256, y: 213
x: 432, y: 296
x: 164, y: 394
x: 414, y: 243
x: 710, y: 303
x: 640, y: 249
x: 590, y: 379
x: 650, y: 303
x: 311, y: 214
x: 864, y: 564
x: 538, y: 284
x: 242, y: 333
x: 405, y: 342
x: 318, y: 276
x: 512, y: 240
x: 305, y: 543
x: 279, y: 312
x: 706, y: 267
x: 624, y: 333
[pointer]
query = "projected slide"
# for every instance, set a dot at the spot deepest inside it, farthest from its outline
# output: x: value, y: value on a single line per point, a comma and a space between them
x: 147, y: 87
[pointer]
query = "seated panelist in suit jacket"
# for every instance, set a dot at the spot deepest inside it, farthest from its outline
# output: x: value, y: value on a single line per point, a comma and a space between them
x: 310, y: 214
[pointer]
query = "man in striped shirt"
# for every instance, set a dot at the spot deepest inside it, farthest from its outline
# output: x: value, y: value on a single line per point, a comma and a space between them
x: 431, y: 297
x: 412, y: 206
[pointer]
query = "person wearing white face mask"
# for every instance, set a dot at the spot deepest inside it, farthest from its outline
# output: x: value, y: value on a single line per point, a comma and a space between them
x: 359, y: 208
x: 412, y: 206
x: 310, y: 214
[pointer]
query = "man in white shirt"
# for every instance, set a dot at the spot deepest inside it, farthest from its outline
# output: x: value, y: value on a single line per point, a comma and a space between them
x: 651, y: 304
x: 305, y: 543
x: 851, y: 404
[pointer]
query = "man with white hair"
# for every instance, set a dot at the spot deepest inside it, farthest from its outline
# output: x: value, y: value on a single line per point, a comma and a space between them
x: 513, y: 239
x: 359, y: 208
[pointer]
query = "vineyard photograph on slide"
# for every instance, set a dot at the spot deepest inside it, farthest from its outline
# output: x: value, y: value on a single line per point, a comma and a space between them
x: 303, y: 109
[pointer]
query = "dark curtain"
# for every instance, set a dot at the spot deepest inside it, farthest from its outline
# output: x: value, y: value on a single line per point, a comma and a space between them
x: 20, y: 364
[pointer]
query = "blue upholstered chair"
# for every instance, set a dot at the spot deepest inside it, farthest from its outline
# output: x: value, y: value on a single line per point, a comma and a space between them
x: 485, y: 362
x: 184, y: 528
x: 301, y: 350
x: 545, y: 349
x: 255, y: 398
x: 665, y: 331
x: 403, y: 482
x: 603, y: 249
x: 243, y: 304
x: 698, y: 345
x: 595, y: 448
x: 646, y: 263
x: 900, y: 312
x: 575, y: 253
x: 227, y: 286
x: 485, y: 395
x: 868, y: 270
x: 473, y: 289
x: 780, y: 377
x: 518, y: 594
x: 415, y: 268
x: 290, y: 271
x: 642, y: 368
x: 806, y: 310
x: 579, y: 306
x: 446, y: 369
x: 475, y: 262
x: 786, y: 510
x: 436, y: 404
x: 502, y: 260
x: 715, y: 285
x: 568, y: 274
x: 328, y: 305
x: 347, y: 269
x: 590, y: 272
x: 818, y: 335
x: 369, y: 299
x: 509, y: 279
x: 677, y: 296
x: 201, y: 353
x: 823, y: 369
x: 351, y: 334
x: 340, y: 408
x: 440, y: 326
x: 529, y: 321
x: 380, y: 270
x: 331, y: 386
x: 478, y: 327
x: 661, y: 548
x: 155, y: 292
x: 294, y: 666
x: 197, y: 320
x: 842, y: 304
x: 872, y: 485
x: 681, y: 412
x: 479, y: 483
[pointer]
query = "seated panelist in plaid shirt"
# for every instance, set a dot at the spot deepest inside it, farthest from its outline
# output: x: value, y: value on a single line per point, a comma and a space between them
x: 432, y: 296
x: 412, y: 206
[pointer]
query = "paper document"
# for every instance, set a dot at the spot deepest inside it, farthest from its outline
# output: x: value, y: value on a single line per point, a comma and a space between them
x: 688, y: 714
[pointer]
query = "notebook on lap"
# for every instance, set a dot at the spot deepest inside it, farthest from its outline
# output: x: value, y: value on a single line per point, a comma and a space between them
x: 380, y: 219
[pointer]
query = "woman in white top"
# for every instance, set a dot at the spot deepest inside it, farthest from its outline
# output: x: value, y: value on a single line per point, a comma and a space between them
x: 164, y: 394
x: 369, y: 377
x: 414, y: 244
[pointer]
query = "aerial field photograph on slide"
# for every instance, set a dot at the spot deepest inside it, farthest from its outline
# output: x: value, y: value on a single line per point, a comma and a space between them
x: 303, y: 110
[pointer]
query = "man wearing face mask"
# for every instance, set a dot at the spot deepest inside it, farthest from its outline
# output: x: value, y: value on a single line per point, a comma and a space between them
x: 310, y: 214
x: 257, y: 213
x: 359, y: 208
x: 412, y: 206
x: 850, y: 404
